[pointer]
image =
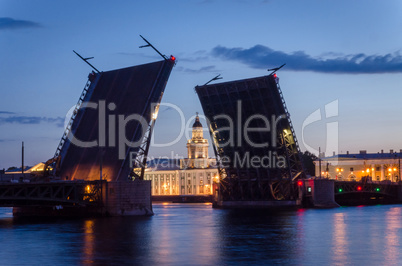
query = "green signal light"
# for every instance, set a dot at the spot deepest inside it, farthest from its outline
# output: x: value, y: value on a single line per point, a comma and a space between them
x: 340, y: 190
x: 377, y: 189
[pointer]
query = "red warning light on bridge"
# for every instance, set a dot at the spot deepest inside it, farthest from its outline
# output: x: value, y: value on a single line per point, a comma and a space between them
x: 275, y: 75
x: 172, y: 58
x: 359, y: 188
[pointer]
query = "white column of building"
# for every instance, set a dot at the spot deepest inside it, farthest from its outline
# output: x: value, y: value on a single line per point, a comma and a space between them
x: 175, y: 178
x: 194, y: 180
x: 192, y: 184
x: 161, y: 181
x: 175, y: 182
x: 211, y: 180
x: 185, y: 184
x: 399, y: 171
x: 181, y: 181
x: 373, y: 177
x: 170, y: 184
x: 197, y: 183
x: 151, y: 177
x: 178, y: 187
x: 162, y: 176
x: 160, y: 184
x: 382, y: 172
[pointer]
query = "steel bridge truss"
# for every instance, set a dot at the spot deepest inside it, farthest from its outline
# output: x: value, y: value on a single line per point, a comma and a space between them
x: 83, y: 193
x: 245, y: 98
x: 348, y: 187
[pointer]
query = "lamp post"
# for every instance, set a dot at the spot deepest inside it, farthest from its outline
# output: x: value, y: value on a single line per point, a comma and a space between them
x: 394, y: 172
x: 369, y: 176
x: 339, y: 171
x: 399, y: 167
x: 391, y: 173
x: 319, y: 159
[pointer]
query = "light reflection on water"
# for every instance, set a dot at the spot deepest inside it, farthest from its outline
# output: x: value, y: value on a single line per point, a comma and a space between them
x: 89, y: 241
x: 196, y: 234
x: 392, y: 243
x: 340, y: 240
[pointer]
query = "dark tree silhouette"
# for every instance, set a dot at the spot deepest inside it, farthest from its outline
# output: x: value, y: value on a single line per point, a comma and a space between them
x: 11, y: 168
x: 308, y: 162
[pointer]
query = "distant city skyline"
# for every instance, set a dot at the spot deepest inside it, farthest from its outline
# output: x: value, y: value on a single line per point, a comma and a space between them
x: 343, y: 65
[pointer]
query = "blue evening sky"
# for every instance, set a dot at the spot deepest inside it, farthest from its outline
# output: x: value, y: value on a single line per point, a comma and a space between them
x: 343, y: 52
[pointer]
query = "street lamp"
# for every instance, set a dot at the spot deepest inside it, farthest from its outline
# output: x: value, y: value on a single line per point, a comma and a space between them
x: 339, y: 171
x: 391, y: 173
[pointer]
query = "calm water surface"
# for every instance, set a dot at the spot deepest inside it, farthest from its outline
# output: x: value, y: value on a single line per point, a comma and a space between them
x: 196, y: 234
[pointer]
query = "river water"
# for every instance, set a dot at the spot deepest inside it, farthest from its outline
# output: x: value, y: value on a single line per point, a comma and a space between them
x: 197, y: 234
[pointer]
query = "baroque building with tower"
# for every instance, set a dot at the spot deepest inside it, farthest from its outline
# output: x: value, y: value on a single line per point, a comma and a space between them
x: 193, y: 175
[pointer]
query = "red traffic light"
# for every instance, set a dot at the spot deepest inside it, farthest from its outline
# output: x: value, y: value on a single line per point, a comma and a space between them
x: 300, y: 183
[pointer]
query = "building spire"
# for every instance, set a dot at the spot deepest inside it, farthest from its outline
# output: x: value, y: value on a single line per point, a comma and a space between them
x: 197, y: 122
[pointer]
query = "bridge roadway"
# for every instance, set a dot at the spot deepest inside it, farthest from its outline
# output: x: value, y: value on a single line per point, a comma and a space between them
x: 88, y: 194
x: 326, y: 193
x: 372, y: 192
x: 77, y: 198
x: 53, y: 193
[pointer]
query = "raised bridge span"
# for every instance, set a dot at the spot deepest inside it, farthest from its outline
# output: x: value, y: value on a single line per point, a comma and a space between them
x: 95, y: 166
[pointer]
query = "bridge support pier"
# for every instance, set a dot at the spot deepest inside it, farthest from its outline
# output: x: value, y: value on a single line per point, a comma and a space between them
x: 127, y: 198
x: 324, y: 196
x: 318, y: 193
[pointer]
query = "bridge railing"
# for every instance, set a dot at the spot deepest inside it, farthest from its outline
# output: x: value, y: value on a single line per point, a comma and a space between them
x: 342, y: 187
x: 62, y: 192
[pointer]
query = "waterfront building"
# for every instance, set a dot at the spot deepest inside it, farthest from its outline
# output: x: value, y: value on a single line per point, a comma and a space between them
x: 193, y: 175
x: 355, y: 167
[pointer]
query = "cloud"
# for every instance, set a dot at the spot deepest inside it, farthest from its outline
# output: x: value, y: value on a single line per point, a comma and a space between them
x: 59, y: 122
x: 264, y: 57
x: 192, y: 59
x: 201, y: 69
x: 6, y: 113
x: 13, y: 24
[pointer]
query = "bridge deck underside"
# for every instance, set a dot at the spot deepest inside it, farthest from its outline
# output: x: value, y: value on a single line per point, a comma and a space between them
x: 114, y: 112
x: 253, y: 139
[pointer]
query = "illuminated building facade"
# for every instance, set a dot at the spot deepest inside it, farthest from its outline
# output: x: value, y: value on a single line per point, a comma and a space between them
x: 353, y: 167
x: 197, y: 149
x: 193, y: 175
